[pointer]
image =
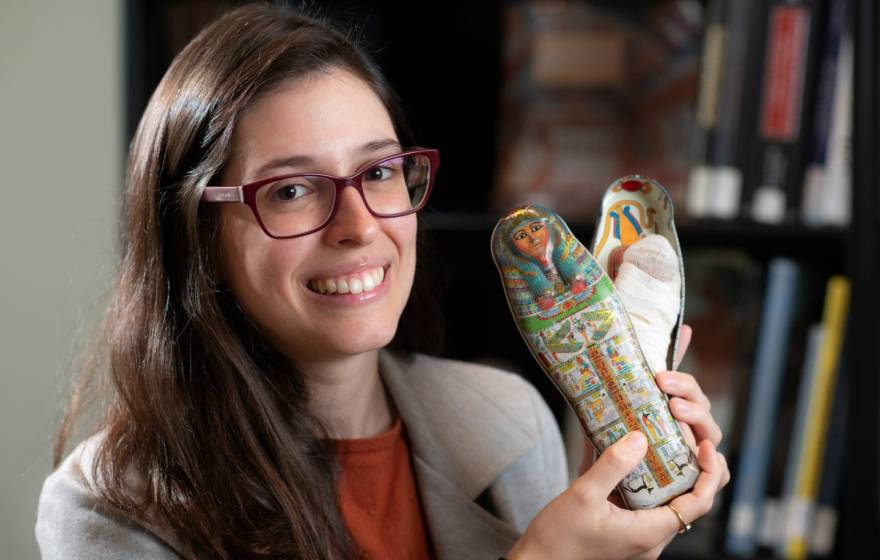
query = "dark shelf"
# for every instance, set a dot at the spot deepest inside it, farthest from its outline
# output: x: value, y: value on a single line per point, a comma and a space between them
x: 760, y: 240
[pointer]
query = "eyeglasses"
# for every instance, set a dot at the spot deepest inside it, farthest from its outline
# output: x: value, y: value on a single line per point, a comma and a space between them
x: 302, y: 203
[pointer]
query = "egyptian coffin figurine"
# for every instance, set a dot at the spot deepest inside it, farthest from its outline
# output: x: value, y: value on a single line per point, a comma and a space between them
x: 578, y: 330
x: 633, y: 207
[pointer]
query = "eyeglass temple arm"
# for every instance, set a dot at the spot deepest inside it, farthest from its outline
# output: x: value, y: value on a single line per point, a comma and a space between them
x: 222, y: 194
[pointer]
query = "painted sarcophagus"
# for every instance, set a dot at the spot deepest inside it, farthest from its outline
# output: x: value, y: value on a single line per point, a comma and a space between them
x: 578, y: 330
x: 635, y: 206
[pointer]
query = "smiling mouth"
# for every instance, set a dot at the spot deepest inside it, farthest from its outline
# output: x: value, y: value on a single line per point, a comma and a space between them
x: 364, y: 281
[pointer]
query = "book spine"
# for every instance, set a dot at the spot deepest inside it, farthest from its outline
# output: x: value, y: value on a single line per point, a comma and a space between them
x: 788, y: 71
x: 828, y: 84
x: 837, y: 185
x: 751, y: 102
x: 724, y: 157
x: 823, y: 530
x: 794, y: 523
x: 701, y: 177
x: 773, y: 340
x: 833, y: 323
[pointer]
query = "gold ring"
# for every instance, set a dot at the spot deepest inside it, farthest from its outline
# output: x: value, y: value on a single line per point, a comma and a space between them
x: 683, y: 527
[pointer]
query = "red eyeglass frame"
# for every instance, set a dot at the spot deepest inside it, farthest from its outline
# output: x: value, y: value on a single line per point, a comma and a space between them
x: 247, y: 193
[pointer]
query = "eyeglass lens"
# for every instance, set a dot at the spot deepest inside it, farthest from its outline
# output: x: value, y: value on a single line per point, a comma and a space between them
x: 296, y: 205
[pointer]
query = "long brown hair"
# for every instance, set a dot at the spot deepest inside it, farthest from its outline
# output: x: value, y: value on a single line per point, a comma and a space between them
x: 200, y: 405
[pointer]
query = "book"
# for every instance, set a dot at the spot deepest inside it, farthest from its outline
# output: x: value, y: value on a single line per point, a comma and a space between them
x: 702, y: 174
x: 727, y: 156
x: 808, y: 312
x: 814, y: 433
x: 828, y: 185
x: 823, y: 526
x: 836, y: 203
x: 823, y: 196
x: 717, y: 181
x: 776, y: 166
x: 750, y: 476
x: 788, y: 525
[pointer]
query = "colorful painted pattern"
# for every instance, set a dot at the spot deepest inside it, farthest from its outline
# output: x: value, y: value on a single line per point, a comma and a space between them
x: 635, y: 206
x: 579, y: 331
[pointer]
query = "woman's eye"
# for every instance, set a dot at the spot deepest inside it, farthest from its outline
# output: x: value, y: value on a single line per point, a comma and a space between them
x: 537, y: 227
x: 378, y: 173
x: 287, y: 193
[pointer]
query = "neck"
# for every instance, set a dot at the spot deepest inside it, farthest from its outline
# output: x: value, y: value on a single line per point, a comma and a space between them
x: 348, y: 394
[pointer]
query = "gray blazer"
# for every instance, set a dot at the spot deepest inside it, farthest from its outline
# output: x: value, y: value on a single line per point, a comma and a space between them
x: 486, y: 451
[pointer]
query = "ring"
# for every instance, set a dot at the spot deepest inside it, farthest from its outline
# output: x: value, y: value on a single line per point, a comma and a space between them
x: 684, y: 527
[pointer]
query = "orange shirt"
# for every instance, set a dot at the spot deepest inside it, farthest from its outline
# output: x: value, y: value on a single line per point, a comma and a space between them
x: 379, y: 498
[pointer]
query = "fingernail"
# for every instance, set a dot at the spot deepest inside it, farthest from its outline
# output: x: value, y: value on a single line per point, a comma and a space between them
x: 683, y: 408
x: 670, y: 381
x: 635, y: 440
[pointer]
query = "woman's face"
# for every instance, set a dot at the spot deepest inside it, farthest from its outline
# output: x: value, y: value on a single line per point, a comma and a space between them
x: 333, y: 123
x: 531, y: 239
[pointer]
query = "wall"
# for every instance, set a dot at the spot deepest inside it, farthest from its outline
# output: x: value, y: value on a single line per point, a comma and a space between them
x: 61, y: 150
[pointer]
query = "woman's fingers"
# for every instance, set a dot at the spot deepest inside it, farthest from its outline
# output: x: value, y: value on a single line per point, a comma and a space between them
x: 684, y: 385
x: 661, y: 524
x: 684, y: 340
x: 688, y: 436
x: 612, y: 466
x: 725, y: 475
x: 701, y: 422
x: 690, y: 405
x: 699, y: 501
x: 652, y: 529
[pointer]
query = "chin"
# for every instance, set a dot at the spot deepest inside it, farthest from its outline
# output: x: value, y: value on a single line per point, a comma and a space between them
x: 365, y: 338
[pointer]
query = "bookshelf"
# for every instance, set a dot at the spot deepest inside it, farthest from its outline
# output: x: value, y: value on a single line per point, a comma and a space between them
x: 457, y: 111
x: 860, y: 521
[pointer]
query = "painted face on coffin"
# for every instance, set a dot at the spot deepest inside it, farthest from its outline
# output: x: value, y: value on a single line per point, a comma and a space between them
x: 533, y: 240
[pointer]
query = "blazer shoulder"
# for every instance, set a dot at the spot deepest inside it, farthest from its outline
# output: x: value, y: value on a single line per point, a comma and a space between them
x: 501, y: 415
x: 513, y: 395
x: 73, y: 522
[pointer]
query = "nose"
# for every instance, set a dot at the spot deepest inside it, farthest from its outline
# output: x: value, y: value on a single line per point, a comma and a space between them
x: 353, y: 224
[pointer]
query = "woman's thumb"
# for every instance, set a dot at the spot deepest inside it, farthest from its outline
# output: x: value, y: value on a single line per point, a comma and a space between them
x: 613, y: 464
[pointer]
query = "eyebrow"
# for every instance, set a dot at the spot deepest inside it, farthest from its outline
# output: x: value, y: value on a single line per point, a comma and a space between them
x: 296, y: 161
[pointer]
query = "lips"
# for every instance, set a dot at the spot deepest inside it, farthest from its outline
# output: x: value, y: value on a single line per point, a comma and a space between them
x: 358, y: 282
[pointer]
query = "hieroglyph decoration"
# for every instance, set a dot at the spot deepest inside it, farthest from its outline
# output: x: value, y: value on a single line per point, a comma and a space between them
x: 575, y: 325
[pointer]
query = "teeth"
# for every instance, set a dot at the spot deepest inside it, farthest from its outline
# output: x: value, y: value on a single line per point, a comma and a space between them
x: 356, y: 285
x: 342, y: 286
x: 362, y: 282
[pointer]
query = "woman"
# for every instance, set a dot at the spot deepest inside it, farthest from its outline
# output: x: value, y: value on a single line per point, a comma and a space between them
x: 256, y: 408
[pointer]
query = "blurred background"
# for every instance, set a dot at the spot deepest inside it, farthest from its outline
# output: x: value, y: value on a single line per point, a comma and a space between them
x: 760, y: 118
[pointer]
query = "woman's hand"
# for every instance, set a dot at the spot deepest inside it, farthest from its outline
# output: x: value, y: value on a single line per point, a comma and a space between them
x: 688, y: 404
x: 583, y: 523
x: 589, y: 521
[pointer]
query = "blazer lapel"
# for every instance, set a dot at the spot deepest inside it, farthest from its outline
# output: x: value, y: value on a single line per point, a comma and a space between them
x: 459, y: 527
x: 461, y: 441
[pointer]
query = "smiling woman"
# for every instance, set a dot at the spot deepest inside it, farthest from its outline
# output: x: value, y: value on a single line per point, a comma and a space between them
x: 329, y: 117
x: 263, y: 396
